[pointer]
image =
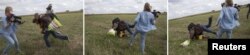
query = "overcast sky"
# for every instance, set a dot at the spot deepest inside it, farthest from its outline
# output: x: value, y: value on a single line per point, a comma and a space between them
x: 181, y: 8
x: 27, y: 7
x: 122, y: 6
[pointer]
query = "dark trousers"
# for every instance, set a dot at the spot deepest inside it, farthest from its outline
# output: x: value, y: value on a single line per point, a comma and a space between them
x: 128, y: 26
x: 206, y: 27
x: 55, y: 34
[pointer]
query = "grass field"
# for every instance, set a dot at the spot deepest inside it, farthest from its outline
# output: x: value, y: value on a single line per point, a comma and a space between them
x: 32, y: 43
x: 97, y: 42
x: 178, y: 33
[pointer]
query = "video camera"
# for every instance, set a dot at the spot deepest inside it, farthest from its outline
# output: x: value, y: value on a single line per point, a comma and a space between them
x: 17, y: 19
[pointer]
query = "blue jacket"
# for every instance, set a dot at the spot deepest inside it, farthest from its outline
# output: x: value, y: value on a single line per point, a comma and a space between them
x: 145, y: 21
x: 11, y: 29
x: 228, y: 18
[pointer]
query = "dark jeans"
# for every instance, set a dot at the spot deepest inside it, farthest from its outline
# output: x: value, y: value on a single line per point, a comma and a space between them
x: 128, y: 26
x: 206, y: 27
x: 55, y: 34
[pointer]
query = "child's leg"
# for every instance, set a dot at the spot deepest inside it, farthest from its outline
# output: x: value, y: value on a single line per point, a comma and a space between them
x: 143, y: 39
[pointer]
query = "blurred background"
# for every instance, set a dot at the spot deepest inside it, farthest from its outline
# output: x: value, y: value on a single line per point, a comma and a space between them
x: 181, y: 8
x: 122, y: 6
x: 28, y: 7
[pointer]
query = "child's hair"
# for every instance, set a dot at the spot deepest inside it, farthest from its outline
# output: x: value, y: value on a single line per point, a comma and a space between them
x: 147, y: 7
x: 8, y: 10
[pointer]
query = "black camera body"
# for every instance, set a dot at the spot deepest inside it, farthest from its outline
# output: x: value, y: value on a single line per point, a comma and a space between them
x: 17, y: 19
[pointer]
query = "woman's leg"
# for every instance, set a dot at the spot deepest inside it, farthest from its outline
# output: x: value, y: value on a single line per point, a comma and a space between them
x: 10, y: 43
x: 132, y: 38
x: 219, y: 33
x: 143, y: 39
x: 13, y: 36
x: 229, y: 34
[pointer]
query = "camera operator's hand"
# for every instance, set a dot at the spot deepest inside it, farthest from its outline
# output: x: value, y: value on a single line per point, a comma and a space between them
x: 12, y: 19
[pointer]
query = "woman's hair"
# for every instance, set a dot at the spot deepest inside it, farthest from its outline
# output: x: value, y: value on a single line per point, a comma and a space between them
x: 229, y: 2
x: 147, y: 7
x: 8, y: 9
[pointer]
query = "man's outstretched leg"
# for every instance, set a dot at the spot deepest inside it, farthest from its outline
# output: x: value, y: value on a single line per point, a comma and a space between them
x: 206, y: 27
x: 59, y: 35
x: 209, y: 22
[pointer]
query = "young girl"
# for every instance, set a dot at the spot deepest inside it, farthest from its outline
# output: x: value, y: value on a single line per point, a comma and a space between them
x: 144, y: 22
x: 8, y: 30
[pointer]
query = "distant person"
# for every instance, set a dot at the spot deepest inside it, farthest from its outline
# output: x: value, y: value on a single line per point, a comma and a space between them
x: 155, y: 13
x: 8, y: 31
x: 144, y: 22
x: 237, y: 7
x: 248, y: 10
x: 227, y: 19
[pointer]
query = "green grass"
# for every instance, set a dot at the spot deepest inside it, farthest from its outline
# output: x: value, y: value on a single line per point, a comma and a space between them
x: 32, y: 43
x: 178, y: 33
x: 97, y: 42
